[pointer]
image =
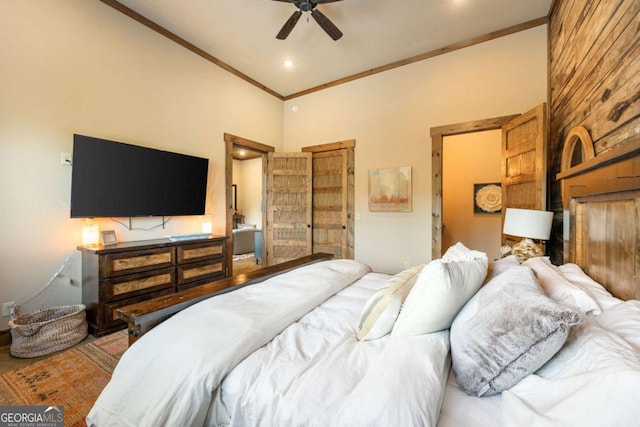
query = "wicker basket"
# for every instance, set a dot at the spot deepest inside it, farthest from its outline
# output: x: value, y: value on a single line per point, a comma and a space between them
x: 46, y: 331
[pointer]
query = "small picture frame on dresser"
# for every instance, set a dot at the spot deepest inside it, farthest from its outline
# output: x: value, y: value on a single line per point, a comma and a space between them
x: 108, y: 237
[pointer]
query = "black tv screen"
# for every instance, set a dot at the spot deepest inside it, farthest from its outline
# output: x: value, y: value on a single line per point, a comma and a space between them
x: 113, y: 179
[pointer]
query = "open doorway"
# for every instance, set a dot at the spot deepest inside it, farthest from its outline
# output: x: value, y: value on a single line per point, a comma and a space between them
x: 437, y: 136
x: 523, y: 165
x: 332, y: 192
x: 471, y: 191
x: 245, y: 180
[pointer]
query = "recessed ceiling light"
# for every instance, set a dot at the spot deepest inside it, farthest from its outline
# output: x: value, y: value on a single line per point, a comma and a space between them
x: 288, y: 63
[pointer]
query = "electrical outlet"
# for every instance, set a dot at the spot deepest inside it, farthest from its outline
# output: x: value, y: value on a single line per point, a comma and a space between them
x: 6, y: 308
x: 65, y: 159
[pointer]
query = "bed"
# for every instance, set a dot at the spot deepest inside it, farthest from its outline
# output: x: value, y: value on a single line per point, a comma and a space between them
x: 334, y: 343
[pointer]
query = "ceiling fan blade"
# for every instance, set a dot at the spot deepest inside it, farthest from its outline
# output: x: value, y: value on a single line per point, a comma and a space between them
x: 321, y: 1
x: 326, y: 24
x: 287, y: 1
x: 288, y: 26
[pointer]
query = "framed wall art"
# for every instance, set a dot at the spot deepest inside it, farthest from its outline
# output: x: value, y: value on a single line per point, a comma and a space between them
x: 390, y: 189
x: 487, y: 198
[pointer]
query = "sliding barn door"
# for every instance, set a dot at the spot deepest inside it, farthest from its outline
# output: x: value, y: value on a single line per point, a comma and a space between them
x: 288, y: 206
x: 524, y: 163
x: 330, y: 211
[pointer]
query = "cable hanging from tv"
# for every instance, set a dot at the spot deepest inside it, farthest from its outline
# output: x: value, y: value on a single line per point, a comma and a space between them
x: 130, y: 226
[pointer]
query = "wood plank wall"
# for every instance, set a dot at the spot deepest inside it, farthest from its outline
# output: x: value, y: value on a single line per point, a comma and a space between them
x: 594, y: 81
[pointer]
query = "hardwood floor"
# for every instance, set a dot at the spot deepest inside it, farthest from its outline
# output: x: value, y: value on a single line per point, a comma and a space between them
x: 245, y: 263
x: 9, y: 363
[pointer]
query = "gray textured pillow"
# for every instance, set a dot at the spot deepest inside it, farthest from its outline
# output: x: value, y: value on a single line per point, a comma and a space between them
x: 508, y: 330
x: 498, y: 267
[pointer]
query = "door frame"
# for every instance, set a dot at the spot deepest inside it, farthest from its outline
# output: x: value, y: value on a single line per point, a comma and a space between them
x: 232, y: 141
x: 437, y: 135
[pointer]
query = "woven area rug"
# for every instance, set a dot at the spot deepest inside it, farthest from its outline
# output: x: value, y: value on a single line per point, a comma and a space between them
x: 73, y: 378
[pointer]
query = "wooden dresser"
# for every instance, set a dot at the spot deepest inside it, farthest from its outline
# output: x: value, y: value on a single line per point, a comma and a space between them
x: 125, y: 273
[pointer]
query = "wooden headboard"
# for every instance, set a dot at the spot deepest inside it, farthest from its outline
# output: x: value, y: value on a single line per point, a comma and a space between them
x: 601, y: 202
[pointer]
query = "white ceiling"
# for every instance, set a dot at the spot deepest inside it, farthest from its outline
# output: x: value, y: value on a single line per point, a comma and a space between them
x: 241, y: 33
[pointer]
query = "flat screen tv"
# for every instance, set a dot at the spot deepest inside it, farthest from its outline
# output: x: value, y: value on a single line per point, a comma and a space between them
x: 113, y: 179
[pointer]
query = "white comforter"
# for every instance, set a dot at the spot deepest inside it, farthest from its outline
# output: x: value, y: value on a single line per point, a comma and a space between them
x: 169, y: 376
x: 593, y: 381
x: 316, y: 373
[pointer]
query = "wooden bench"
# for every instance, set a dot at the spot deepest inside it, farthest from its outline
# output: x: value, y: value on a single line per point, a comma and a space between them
x: 143, y: 316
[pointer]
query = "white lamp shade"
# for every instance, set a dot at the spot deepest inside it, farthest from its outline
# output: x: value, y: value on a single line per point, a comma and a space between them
x: 528, y: 223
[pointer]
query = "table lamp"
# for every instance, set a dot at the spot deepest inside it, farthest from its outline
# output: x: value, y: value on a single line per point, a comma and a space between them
x: 531, y: 225
x: 90, y: 233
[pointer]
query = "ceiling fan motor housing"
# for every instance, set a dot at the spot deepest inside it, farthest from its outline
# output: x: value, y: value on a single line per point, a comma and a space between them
x: 306, y: 5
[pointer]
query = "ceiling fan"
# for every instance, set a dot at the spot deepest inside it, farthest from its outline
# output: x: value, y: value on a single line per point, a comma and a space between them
x: 309, y: 6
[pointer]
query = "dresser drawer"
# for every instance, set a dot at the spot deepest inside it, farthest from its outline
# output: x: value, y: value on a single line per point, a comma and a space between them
x: 111, y: 319
x: 118, y: 264
x: 208, y: 269
x: 137, y: 284
x: 200, y: 251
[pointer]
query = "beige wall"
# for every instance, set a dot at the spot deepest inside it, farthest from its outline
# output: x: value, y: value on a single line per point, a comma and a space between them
x: 467, y: 159
x: 82, y: 67
x: 247, y: 175
x: 390, y: 115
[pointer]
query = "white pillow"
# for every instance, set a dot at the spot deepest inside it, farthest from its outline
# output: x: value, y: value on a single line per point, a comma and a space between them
x: 561, y: 290
x: 441, y: 290
x: 459, y: 252
x: 579, y: 278
x: 382, y: 308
